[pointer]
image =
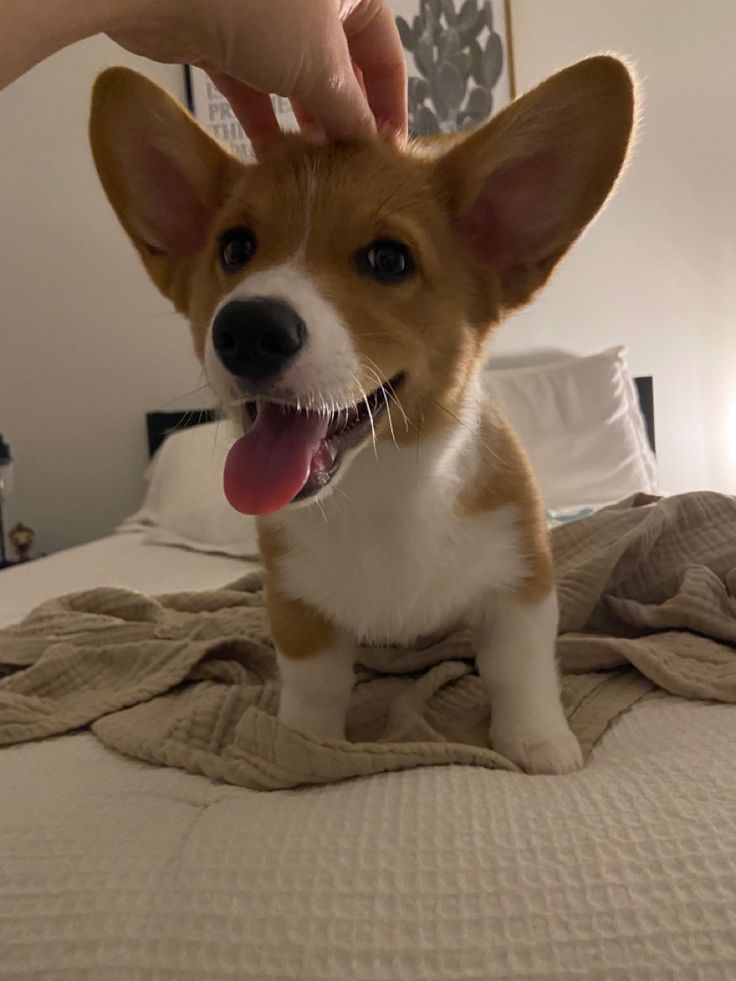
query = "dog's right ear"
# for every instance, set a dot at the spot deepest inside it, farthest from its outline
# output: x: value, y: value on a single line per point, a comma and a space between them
x: 523, y: 186
x: 165, y: 176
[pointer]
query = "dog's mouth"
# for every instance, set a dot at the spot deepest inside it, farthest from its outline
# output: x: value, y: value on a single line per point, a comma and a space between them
x: 290, y: 454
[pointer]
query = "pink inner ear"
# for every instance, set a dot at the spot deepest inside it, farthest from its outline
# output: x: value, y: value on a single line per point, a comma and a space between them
x: 176, y: 220
x: 514, y: 216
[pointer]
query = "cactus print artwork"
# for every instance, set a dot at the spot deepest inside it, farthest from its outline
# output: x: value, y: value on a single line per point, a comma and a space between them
x: 458, y: 62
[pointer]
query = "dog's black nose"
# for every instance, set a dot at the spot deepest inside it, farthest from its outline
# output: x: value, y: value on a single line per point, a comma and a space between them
x: 255, y: 339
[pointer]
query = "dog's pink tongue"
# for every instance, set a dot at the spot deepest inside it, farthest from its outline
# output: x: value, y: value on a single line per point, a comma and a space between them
x: 266, y: 468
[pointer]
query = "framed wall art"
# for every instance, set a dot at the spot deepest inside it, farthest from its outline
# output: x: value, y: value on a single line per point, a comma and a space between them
x: 213, y: 111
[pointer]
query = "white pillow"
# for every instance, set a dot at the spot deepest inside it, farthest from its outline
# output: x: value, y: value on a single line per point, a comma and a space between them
x: 582, y: 427
x: 185, y: 503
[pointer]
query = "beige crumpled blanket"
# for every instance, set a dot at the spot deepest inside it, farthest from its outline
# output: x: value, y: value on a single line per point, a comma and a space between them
x: 648, y: 603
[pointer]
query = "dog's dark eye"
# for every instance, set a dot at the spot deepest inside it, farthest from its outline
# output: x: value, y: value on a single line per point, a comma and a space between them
x: 386, y: 260
x: 237, y: 247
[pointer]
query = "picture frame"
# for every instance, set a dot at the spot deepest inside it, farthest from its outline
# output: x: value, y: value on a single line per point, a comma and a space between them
x: 460, y: 65
x: 212, y: 110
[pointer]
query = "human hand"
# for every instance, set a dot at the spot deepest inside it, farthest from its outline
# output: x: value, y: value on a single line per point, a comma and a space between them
x: 340, y: 62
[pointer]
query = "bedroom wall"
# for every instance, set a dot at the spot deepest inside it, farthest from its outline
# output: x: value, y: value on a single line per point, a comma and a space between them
x: 658, y: 269
x: 86, y: 344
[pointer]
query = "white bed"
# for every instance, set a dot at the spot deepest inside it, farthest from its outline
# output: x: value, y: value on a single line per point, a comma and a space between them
x: 114, y: 869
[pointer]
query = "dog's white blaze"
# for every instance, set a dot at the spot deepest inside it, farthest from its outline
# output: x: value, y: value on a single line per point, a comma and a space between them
x: 324, y: 372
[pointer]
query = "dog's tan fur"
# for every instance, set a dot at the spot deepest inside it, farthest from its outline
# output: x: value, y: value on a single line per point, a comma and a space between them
x: 299, y: 630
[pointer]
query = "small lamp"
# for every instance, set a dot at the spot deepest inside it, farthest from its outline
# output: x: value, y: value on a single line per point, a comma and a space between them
x: 6, y: 485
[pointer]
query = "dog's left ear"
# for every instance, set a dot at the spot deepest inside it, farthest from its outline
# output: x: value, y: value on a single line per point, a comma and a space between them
x: 524, y: 186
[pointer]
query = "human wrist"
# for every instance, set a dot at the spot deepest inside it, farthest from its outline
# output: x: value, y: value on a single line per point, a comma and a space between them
x: 157, y: 16
x: 35, y: 30
x: 58, y: 23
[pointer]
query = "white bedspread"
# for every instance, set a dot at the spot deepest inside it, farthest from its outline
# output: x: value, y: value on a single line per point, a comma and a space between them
x: 112, y: 869
x: 118, y: 560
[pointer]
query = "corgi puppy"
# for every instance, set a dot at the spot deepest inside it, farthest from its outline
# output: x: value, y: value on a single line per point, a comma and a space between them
x: 341, y: 298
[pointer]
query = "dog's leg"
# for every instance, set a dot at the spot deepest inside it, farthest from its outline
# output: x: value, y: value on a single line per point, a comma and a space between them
x: 516, y: 660
x: 316, y: 665
x: 316, y: 690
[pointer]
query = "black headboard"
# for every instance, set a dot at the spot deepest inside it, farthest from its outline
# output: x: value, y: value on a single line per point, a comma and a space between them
x: 160, y: 424
x: 645, y: 388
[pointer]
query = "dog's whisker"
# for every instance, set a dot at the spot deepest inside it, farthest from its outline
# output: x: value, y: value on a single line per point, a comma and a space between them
x: 184, y: 395
x: 216, y: 433
x: 341, y: 492
x: 370, y: 416
x: 385, y: 391
x: 397, y: 402
x: 494, y: 453
x: 371, y: 366
x: 395, y: 191
x: 390, y: 420
x: 184, y: 423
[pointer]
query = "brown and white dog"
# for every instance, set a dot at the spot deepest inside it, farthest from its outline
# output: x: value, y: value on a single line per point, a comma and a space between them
x: 340, y: 300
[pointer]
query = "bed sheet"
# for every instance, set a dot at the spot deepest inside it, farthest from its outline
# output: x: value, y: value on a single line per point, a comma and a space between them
x: 114, y: 869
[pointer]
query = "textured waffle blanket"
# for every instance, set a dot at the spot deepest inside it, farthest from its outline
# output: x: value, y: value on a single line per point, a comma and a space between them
x: 647, y: 594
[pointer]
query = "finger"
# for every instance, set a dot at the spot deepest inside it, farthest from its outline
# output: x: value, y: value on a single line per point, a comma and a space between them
x: 304, y: 118
x: 361, y: 79
x: 310, y: 129
x: 307, y: 123
x: 375, y: 47
x: 334, y: 98
x: 253, y: 110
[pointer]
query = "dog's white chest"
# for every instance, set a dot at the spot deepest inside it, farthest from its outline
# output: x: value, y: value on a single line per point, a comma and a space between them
x: 391, y: 568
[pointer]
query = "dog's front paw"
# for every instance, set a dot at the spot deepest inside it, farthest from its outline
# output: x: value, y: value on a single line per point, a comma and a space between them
x: 317, y: 725
x: 537, y: 748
